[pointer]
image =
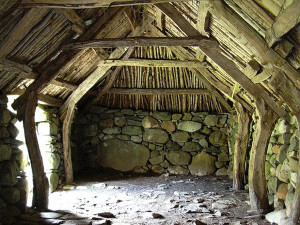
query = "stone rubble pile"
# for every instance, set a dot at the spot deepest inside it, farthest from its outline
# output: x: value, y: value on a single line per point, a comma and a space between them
x: 162, y: 142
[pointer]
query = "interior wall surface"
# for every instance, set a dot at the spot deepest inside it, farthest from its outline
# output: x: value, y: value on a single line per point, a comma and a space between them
x: 161, y: 142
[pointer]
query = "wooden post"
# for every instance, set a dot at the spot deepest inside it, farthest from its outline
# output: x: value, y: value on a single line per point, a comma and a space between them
x: 241, y: 145
x: 265, y: 123
x: 40, y: 181
x: 67, y: 123
x: 295, y: 212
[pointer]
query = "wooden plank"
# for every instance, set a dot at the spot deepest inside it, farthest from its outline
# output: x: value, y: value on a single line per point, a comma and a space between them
x: 72, y: 16
x: 139, y: 42
x: 215, y: 54
x: 109, y: 83
x: 65, y: 59
x: 241, y: 146
x: 158, y: 91
x: 40, y: 181
x: 28, y: 21
x: 284, y: 22
x: 153, y: 63
x: 82, y: 4
x: 252, y: 68
x: 14, y: 67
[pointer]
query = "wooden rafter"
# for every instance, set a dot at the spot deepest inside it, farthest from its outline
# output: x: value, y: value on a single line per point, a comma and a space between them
x: 203, y: 18
x: 284, y: 22
x: 27, y: 22
x: 64, y: 60
x: 81, y: 4
x: 109, y: 83
x: 267, y: 57
x: 153, y: 63
x: 224, y: 63
x: 76, y: 21
x: 140, y: 41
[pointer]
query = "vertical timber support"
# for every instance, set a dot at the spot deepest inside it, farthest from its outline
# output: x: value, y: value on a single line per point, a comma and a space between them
x: 67, y: 124
x: 241, y: 145
x: 295, y: 212
x: 257, y: 182
x: 40, y: 181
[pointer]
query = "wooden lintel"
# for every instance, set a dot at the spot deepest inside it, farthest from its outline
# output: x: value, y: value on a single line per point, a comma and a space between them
x: 284, y: 22
x: 153, y: 63
x: 158, y: 91
x: 82, y: 4
x: 140, y: 41
x: 28, y: 21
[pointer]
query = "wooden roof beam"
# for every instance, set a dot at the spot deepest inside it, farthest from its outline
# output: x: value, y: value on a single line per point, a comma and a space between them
x: 28, y: 21
x: 158, y: 91
x: 215, y: 54
x: 153, y: 63
x: 82, y: 4
x: 284, y: 22
x: 266, y: 57
x: 76, y: 21
x: 65, y: 59
x: 140, y: 41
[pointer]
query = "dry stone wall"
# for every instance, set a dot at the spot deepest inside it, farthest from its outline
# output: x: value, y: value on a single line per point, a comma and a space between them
x: 161, y: 142
x: 12, y: 178
x: 49, y: 136
x: 282, y: 163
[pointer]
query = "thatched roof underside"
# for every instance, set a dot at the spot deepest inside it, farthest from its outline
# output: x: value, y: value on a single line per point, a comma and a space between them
x: 51, y: 30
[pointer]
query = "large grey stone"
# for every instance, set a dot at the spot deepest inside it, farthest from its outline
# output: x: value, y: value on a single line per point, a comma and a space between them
x: 173, y: 146
x: 90, y: 130
x: 129, y: 112
x: 4, y: 132
x: 294, y: 143
x: 112, y: 130
x: 5, y: 152
x: 132, y: 130
x: 281, y: 156
x: 293, y: 163
x: 187, y: 116
x: 178, y: 170
x: 217, y: 138
x: 9, y: 172
x: 189, y: 126
x: 211, y: 120
x: 284, y: 138
x: 150, y: 122
x: 203, y: 143
x: 156, y: 160
x: 106, y: 123
x: 272, y: 185
x: 168, y: 126
x: 191, y: 147
x: 179, y: 158
x: 282, y: 127
x: 203, y: 164
x: 176, y: 116
x: 54, y: 160
x: 180, y: 136
x: 54, y: 180
x: 222, y: 172
x: 223, y: 157
x: 10, y: 195
x: 5, y: 116
x: 120, y: 121
x: 276, y: 217
x: 156, y: 136
x: 162, y: 115
x: 121, y: 155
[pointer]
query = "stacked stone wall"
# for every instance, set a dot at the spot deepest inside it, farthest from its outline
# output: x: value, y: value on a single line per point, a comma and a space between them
x: 12, y: 177
x: 162, y: 142
x: 49, y: 135
x: 282, y: 163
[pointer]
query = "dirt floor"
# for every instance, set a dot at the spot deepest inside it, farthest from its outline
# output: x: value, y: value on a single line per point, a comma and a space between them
x: 131, y: 199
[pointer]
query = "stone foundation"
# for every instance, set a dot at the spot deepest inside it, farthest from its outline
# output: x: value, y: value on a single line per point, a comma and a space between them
x: 12, y: 177
x: 127, y: 140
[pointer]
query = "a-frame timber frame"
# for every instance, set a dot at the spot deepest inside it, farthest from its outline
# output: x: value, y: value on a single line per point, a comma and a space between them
x: 266, y: 66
